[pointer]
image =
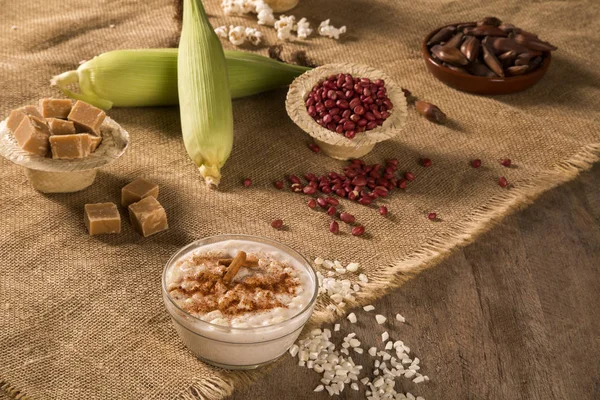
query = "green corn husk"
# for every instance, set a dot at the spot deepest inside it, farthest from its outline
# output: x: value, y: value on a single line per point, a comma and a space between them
x: 148, y: 77
x: 204, y: 99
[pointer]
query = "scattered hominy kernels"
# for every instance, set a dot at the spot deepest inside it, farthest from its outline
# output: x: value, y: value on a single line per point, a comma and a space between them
x: 363, y: 278
x: 353, y: 267
x: 319, y: 388
x: 368, y: 308
x: 385, y: 336
x: 319, y: 261
x: 336, y: 328
x: 388, y: 345
x: 358, y: 350
x: 352, y: 318
x: 380, y: 319
x: 400, y: 318
x: 354, y: 386
x: 373, y: 351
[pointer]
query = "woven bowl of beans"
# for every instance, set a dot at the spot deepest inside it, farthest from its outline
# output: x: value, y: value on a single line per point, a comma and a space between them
x: 347, y: 108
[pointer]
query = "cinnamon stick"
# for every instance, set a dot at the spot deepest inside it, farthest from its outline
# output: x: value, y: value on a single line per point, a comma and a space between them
x: 234, y: 267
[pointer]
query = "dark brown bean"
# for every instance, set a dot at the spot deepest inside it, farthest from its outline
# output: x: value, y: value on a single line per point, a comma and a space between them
x: 491, y: 61
x: 451, y: 55
x: 534, y: 44
x: 442, y: 35
x: 517, y: 70
x: 479, y: 69
x: 431, y: 112
x: 455, y: 68
x: 523, y: 59
x: 455, y: 41
x: 491, y: 21
x: 461, y: 27
x: 487, y: 30
x: 470, y: 48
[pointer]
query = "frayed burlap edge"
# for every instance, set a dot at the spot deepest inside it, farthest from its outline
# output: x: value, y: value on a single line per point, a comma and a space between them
x: 481, y: 220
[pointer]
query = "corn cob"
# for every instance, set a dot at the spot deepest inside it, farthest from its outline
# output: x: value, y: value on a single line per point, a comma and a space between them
x: 148, y: 77
x: 204, y: 99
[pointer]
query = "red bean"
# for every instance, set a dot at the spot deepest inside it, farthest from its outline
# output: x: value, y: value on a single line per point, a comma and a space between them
x: 322, y: 202
x: 365, y: 201
x: 347, y: 218
x: 309, y: 190
x: 332, y: 201
x: 277, y: 223
x: 426, y: 162
x: 432, y: 216
x: 503, y: 182
x: 383, y: 210
x: 476, y: 163
x: 350, y: 134
x: 358, y: 230
x: 331, y: 211
x: 334, y: 227
x: 311, y: 203
x: 278, y: 184
x: 402, y: 183
x: 247, y: 182
x: 294, y: 179
x: 409, y: 176
x: 505, y: 162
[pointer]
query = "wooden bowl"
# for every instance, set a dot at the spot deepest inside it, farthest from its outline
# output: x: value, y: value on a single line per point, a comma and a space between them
x: 481, y: 84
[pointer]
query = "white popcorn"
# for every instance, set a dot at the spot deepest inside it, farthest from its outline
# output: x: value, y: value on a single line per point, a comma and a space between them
x: 331, y: 31
x: 254, y: 36
x: 285, y: 26
x: 237, y: 35
x: 266, y: 17
x: 303, y: 29
x: 222, y: 31
x: 231, y: 7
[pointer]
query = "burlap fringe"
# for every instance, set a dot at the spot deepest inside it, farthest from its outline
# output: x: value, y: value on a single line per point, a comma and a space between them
x: 431, y: 253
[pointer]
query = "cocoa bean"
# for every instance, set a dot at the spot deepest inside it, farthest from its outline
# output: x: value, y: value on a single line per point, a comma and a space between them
x: 487, y: 30
x: 491, y: 61
x: 491, y: 21
x: 523, y: 59
x: 455, y: 41
x: 451, y: 55
x: 534, y: 44
x: 455, y: 68
x: 517, y: 70
x: 462, y: 27
x: 478, y: 69
x: 442, y: 35
x: 430, y: 111
x: 470, y: 48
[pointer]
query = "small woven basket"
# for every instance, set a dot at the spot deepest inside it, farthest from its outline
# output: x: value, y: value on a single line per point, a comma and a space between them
x: 332, y: 143
x: 48, y: 175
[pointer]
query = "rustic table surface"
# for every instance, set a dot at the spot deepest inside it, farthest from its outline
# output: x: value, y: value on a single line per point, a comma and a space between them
x: 515, y: 315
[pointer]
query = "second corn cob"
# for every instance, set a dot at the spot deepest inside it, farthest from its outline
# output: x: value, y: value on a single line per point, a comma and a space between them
x: 148, y: 77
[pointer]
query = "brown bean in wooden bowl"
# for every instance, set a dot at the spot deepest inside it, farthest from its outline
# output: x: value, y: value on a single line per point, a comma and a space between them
x: 486, y: 57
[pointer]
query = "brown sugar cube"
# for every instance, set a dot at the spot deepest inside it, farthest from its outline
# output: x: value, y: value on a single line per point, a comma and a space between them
x: 70, y: 147
x: 32, y: 111
x: 148, y: 216
x: 14, y: 119
x: 55, y: 108
x: 60, y: 126
x: 94, y: 142
x: 87, y: 118
x: 102, y: 218
x: 137, y: 190
x: 32, y: 135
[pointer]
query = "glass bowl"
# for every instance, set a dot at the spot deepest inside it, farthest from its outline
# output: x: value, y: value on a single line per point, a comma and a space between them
x: 235, y: 347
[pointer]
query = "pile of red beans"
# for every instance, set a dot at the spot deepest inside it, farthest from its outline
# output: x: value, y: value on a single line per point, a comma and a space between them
x: 349, y: 105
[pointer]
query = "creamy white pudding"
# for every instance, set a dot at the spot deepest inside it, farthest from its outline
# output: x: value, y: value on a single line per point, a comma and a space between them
x: 248, y: 317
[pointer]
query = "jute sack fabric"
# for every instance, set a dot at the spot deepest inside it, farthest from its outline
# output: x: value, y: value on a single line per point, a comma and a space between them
x: 82, y: 317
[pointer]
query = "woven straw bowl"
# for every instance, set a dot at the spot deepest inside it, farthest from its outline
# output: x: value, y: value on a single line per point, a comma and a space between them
x: 48, y: 175
x: 332, y: 143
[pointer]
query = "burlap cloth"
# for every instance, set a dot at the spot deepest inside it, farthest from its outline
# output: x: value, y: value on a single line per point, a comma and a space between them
x: 82, y: 317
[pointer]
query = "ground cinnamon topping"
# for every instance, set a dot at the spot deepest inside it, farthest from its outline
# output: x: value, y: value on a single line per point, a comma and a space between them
x: 258, y: 289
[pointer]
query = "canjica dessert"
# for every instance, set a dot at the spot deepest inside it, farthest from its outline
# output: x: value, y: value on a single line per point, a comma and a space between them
x: 238, y: 301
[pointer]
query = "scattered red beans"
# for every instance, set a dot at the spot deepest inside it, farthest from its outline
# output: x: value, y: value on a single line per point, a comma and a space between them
x: 432, y: 216
x: 322, y: 202
x: 426, y: 162
x: 358, y: 230
x: 332, y: 201
x: 502, y: 182
x: 402, y: 183
x: 277, y: 223
x: 332, y: 211
x: 476, y: 163
x: 347, y: 218
x: 247, y: 182
x: 349, y: 105
x: 506, y: 162
x: 314, y: 147
x: 409, y: 176
x: 334, y: 227
x: 312, y: 203
x: 383, y: 210
x: 278, y: 184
